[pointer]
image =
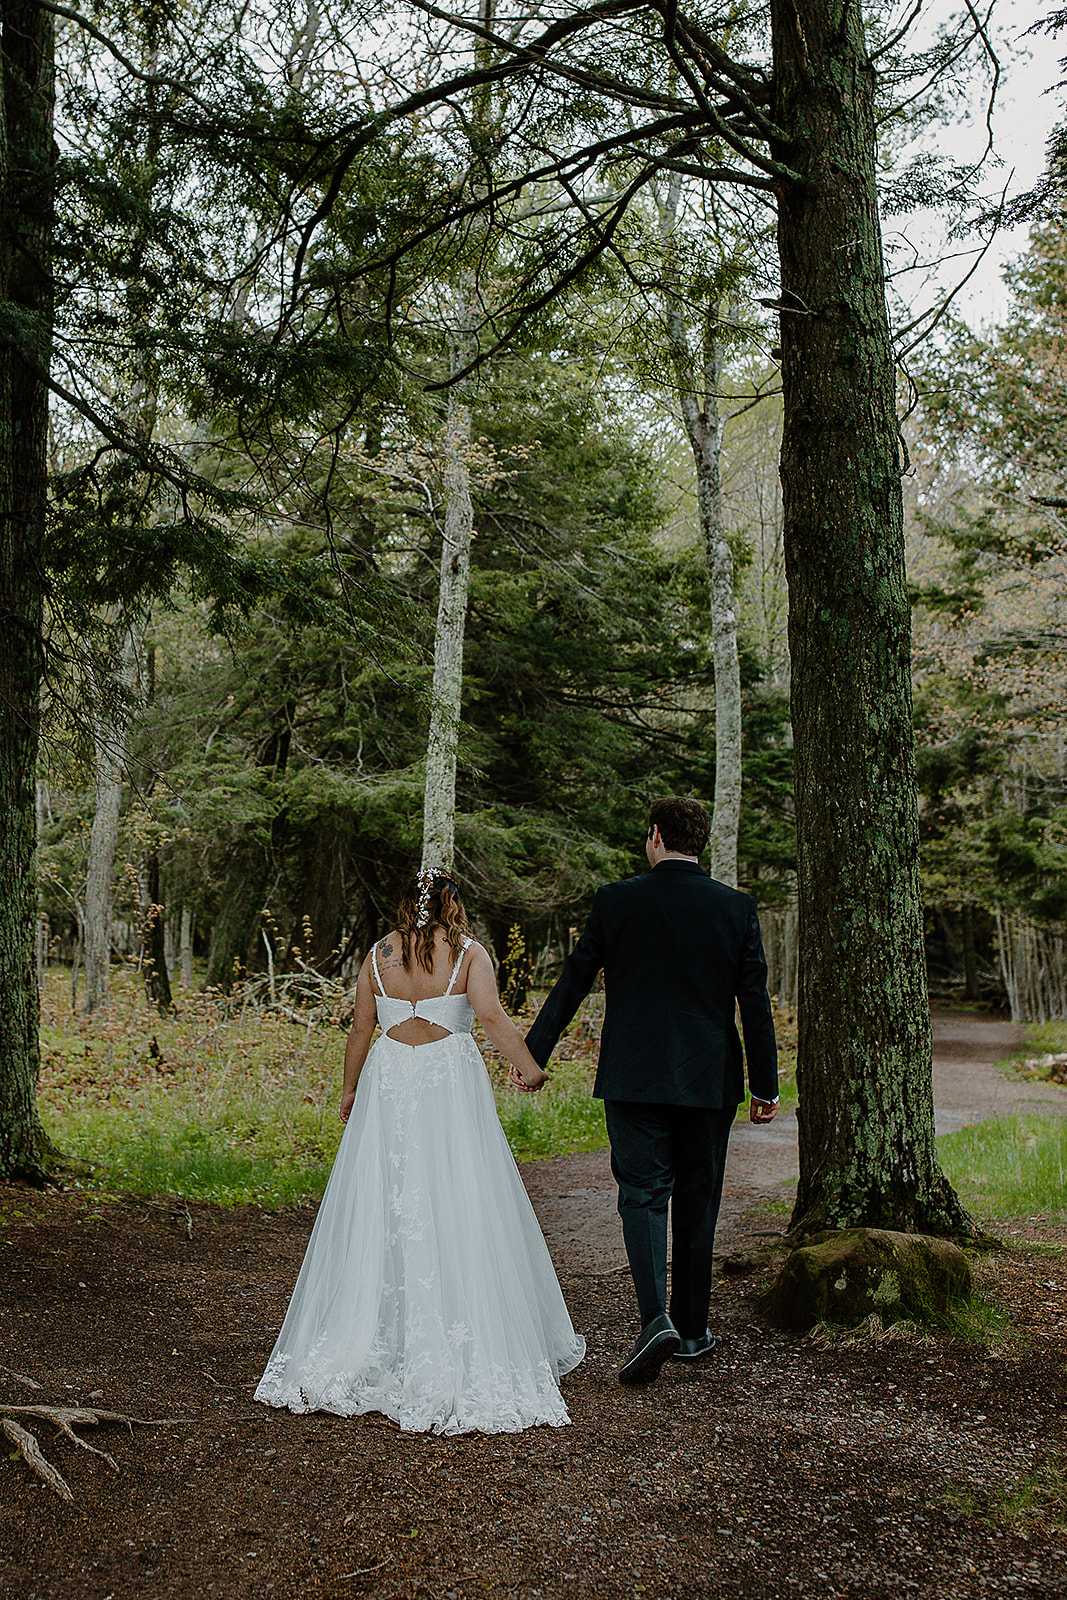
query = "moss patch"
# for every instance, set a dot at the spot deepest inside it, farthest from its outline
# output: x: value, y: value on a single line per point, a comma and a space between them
x: 844, y: 1278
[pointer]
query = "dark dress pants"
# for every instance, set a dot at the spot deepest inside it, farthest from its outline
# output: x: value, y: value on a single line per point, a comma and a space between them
x: 673, y: 1155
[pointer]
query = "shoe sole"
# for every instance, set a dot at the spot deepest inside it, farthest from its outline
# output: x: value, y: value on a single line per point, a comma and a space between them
x: 691, y: 1360
x: 646, y: 1367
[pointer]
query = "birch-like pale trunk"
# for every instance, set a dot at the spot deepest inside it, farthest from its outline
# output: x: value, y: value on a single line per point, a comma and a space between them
x: 439, y: 802
x: 185, y: 947
x: 439, y: 799
x: 704, y: 429
x: 111, y: 723
x: 44, y: 817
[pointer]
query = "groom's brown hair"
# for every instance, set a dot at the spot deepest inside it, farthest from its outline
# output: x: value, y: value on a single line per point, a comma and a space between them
x: 683, y: 824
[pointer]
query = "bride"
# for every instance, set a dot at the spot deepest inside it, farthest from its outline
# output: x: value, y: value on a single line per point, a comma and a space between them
x: 427, y: 1292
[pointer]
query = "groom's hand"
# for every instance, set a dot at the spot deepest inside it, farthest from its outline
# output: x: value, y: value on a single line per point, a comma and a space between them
x: 762, y: 1110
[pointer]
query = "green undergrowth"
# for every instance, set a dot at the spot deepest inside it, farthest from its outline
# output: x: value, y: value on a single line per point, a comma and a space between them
x: 560, y: 1119
x: 1042, y: 1039
x: 1010, y: 1167
x: 231, y: 1104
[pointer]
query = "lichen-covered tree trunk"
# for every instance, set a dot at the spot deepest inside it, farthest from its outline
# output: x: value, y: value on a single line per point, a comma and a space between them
x: 864, y: 1062
x: 439, y: 803
x: 439, y: 800
x: 27, y: 164
x: 110, y: 718
x: 703, y: 426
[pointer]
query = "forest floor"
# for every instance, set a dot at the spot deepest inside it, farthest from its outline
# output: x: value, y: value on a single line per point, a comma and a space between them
x: 784, y: 1466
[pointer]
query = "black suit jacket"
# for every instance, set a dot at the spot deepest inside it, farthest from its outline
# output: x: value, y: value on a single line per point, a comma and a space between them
x: 678, y: 950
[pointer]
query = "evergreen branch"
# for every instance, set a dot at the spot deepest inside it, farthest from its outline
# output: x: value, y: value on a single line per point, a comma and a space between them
x: 751, y: 86
x: 536, y: 52
x: 576, y: 161
x: 520, y: 58
x: 731, y: 175
x: 670, y: 19
x: 533, y: 307
x: 983, y: 34
x: 931, y: 318
x: 153, y: 79
x: 901, y: 33
x: 735, y: 86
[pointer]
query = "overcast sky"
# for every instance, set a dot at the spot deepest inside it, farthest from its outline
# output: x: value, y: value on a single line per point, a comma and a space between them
x: 1023, y: 119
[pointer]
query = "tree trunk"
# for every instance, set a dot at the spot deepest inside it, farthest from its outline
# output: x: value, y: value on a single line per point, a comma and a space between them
x: 703, y: 426
x: 44, y: 817
x: 439, y: 806
x: 971, y: 988
x: 153, y: 943
x: 237, y: 928
x: 867, y: 1152
x: 726, y: 813
x: 27, y: 166
x: 110, y: 715
x: 186, y: 947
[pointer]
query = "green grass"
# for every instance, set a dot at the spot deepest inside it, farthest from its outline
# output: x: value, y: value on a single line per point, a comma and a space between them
x: 234, y: 1105
x: 150, y: 1154
x: 1042, y: 1039
x: 1012, y: 1167
x: 1040, y: 1496
x: 561, y: 1118
x: 218, y: 1103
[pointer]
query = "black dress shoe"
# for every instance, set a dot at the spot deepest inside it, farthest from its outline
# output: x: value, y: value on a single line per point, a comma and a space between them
x: 659, y: 1339
x: 695, y: 1349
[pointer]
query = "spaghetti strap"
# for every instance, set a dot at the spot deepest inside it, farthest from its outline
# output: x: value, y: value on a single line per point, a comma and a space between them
x: 459, y: 962
x: 374, y: 964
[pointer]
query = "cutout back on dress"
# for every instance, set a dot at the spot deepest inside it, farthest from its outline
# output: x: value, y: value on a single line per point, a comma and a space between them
x: 445, y: 1013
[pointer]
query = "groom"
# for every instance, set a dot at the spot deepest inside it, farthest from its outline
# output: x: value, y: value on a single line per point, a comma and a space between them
x: 678, y: 951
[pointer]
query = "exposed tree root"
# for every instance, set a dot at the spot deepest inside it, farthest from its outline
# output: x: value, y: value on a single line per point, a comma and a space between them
x: 17, y: 1377
x: 65, y: 1418
x: 30, y: 1451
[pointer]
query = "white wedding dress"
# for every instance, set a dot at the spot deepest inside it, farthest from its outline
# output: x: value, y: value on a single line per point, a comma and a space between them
x: 427, y: 1292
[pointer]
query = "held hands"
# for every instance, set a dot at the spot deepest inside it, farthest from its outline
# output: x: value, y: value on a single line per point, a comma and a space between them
x: 527, y: 1086
x: 762, y: 1110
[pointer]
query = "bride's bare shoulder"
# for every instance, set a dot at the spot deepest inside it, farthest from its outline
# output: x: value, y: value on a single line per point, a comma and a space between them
x: 390, y: 951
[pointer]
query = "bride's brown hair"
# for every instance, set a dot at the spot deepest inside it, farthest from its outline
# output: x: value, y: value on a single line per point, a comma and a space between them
x: 430, y: 901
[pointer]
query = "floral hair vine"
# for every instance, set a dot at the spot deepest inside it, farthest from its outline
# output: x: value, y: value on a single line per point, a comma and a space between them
x: 424, y: 878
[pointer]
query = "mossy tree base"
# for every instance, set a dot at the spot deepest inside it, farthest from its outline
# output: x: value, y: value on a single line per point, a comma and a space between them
x: 850, y: 1193
x: 844, y: 1278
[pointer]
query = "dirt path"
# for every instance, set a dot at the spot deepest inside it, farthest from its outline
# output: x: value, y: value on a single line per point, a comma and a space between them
x: 782, y: 1468
x: 575, y: 1198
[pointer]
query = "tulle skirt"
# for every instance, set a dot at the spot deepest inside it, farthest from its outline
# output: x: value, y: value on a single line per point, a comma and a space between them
x: 427, y: 1292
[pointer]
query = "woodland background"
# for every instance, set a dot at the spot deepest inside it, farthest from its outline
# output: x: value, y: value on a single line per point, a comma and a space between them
x: 408, y: 500
x: 258, y: 775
